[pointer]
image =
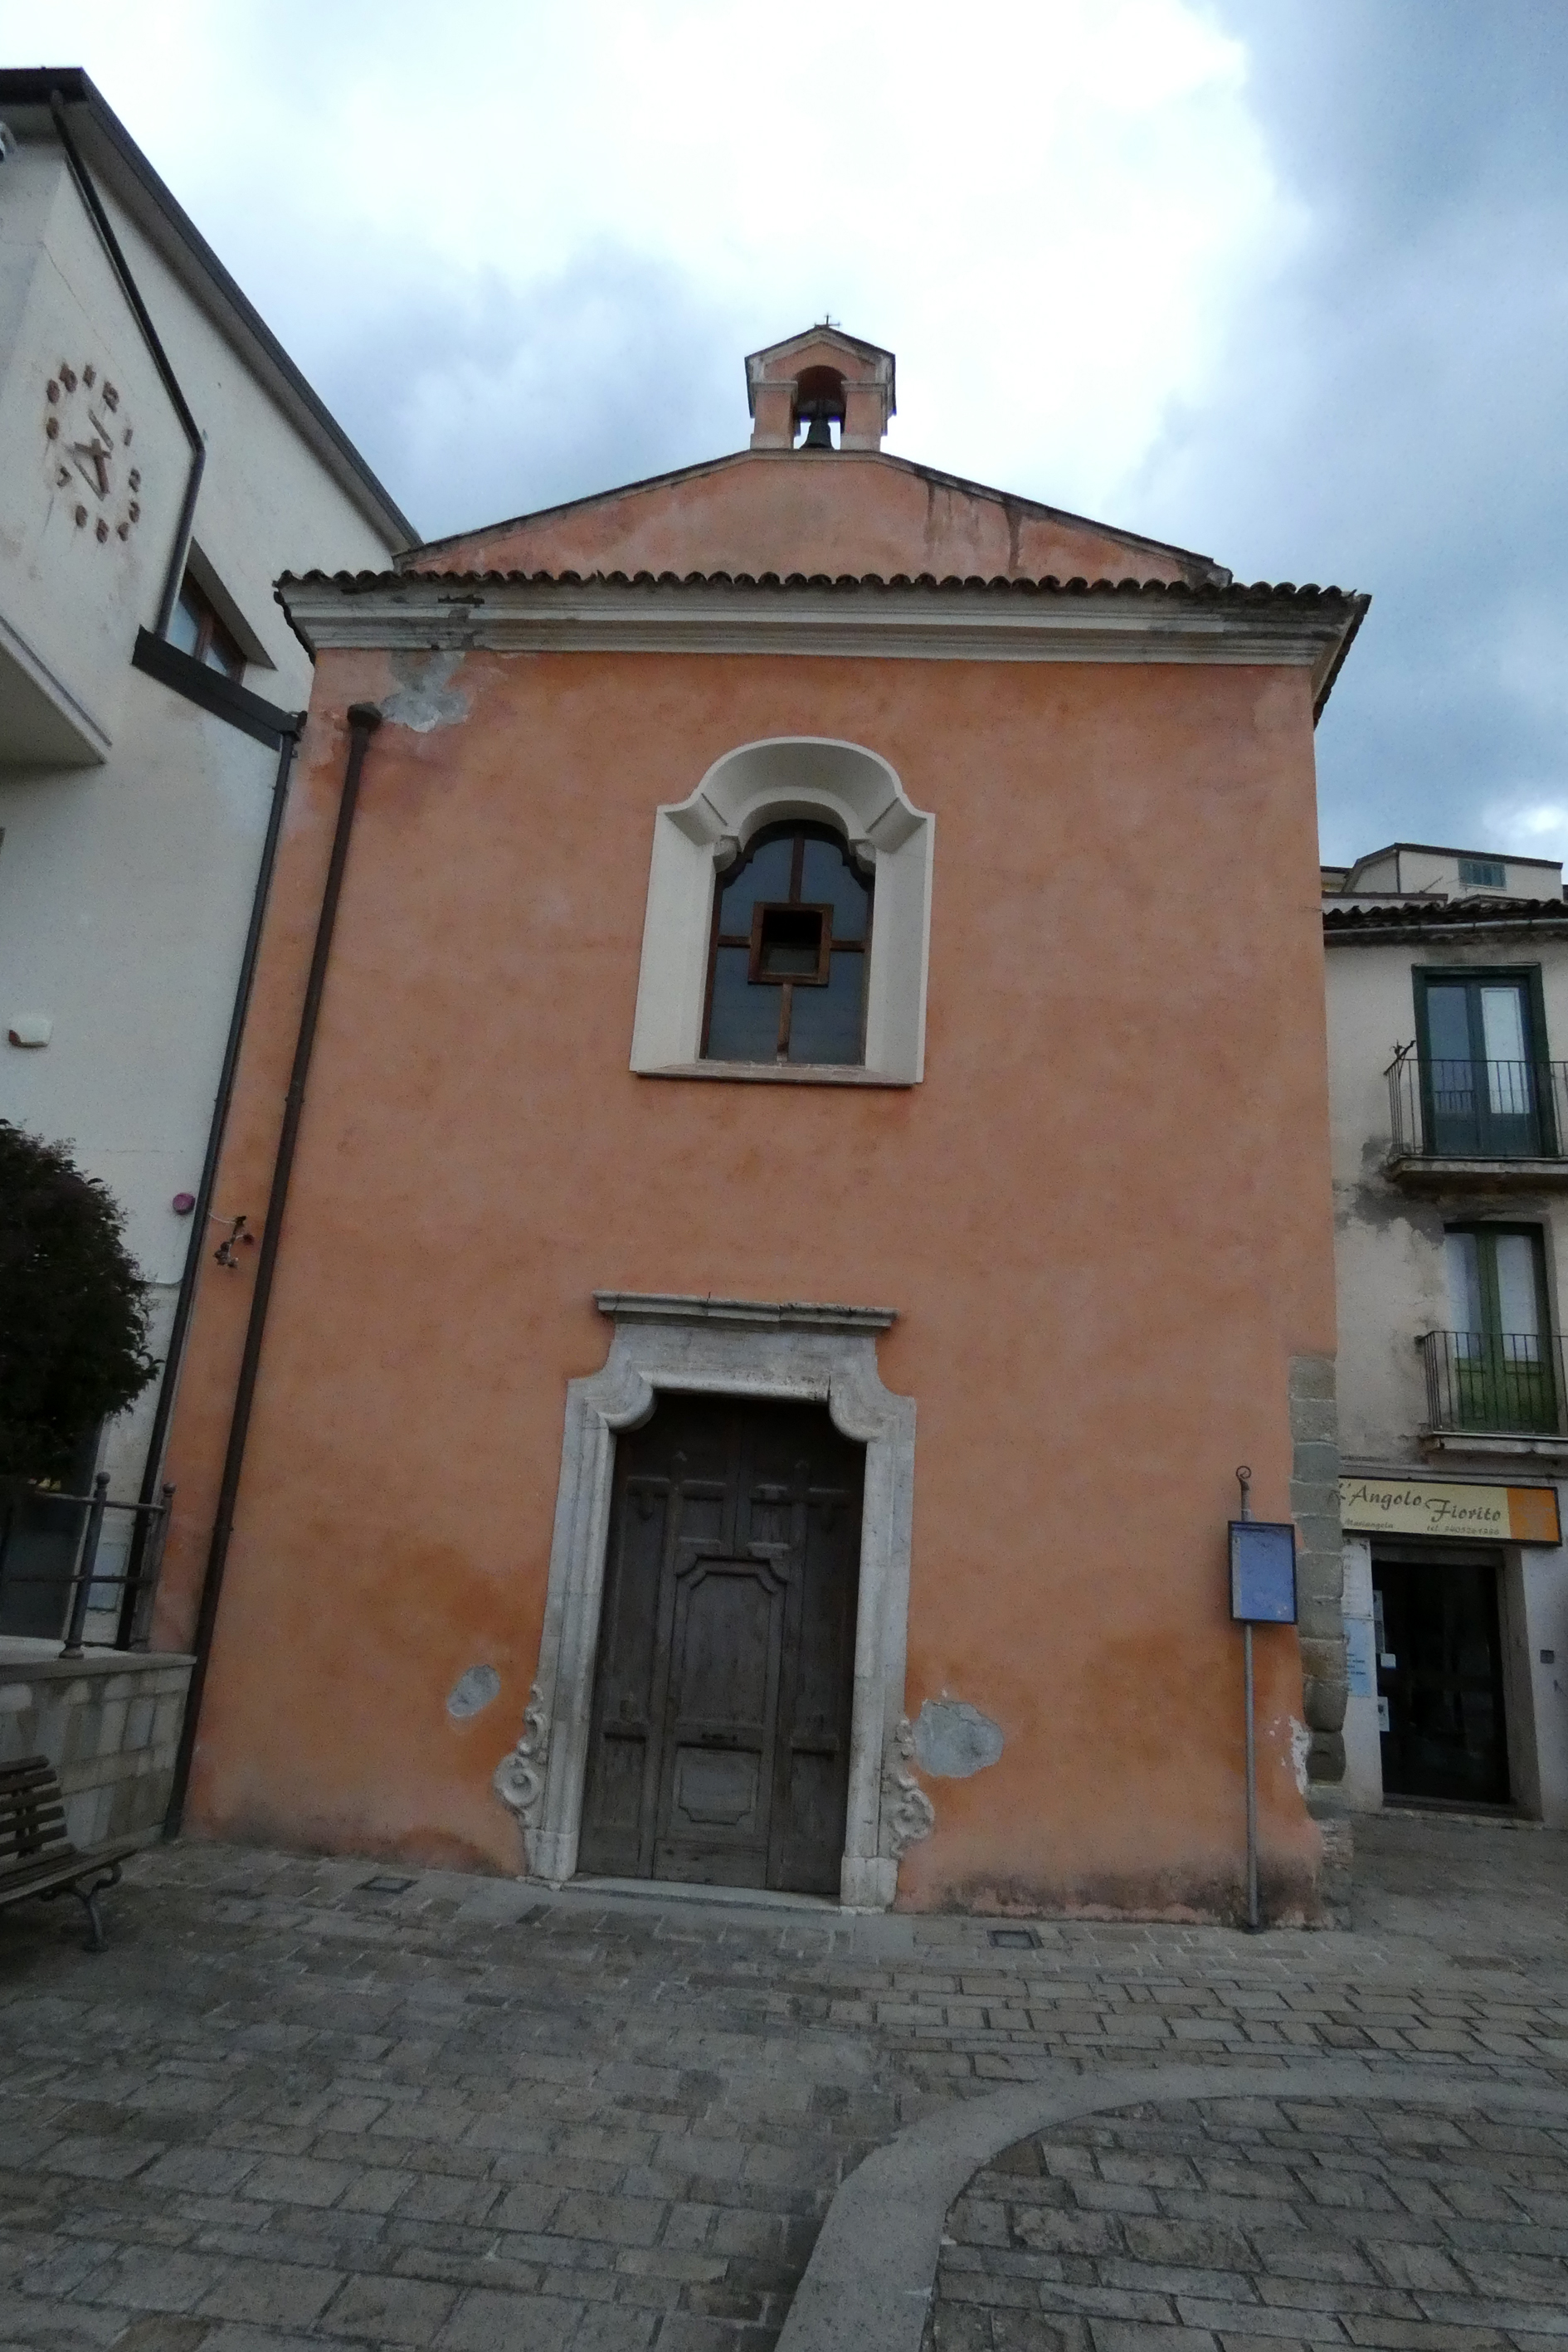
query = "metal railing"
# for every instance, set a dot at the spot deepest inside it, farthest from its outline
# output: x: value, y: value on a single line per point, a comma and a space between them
x: 72, y: 1585
x: 1495, y: 1383
x: 1476, y: 1110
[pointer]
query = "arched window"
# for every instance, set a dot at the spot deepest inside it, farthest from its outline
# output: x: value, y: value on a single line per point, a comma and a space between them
x: 760, y: 959
x: 789, y: 952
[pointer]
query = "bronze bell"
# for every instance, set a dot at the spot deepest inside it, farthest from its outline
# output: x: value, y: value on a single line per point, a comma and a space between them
x: 817, y: 435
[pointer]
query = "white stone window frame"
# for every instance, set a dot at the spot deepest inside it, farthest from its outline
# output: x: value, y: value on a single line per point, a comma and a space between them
x: 820, y: 778
x: 740, y: 1347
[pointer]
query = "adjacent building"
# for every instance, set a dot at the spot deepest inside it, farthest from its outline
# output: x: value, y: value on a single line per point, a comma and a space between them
x: 1447, y: 1000
x: 785, y: 1196
x: 164, y: 461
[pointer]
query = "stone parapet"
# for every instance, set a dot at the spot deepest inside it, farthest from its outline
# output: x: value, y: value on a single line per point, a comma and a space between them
x: 110, y: 1724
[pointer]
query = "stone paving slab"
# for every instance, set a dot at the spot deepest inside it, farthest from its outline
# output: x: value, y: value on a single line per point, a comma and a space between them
x: 896, y: 2223
x: 1218, y: 2223
x: 289, y: 2106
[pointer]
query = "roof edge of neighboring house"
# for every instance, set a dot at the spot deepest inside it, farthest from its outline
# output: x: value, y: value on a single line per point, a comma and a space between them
x: 114, y: 156
x: 1416, y: 920
x: 1435, y: 849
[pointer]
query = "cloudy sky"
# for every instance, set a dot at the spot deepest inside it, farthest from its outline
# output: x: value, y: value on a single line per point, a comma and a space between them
x: 1286, y: 280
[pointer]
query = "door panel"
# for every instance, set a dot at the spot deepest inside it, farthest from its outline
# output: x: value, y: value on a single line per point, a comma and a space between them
x: 813, y: 1764
x: 1518, y: 1285
x: 1481, y: 1077
x: 1440, y: 1674
x: 720, y: 1748
x: 622, y: 1727
x: 720, y: 1720
x: 1504, y: 1365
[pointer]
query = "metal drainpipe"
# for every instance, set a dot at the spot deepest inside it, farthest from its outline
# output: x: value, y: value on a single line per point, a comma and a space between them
x: 129, y: 288
x: 163, y: 1413
x: 364, y: 720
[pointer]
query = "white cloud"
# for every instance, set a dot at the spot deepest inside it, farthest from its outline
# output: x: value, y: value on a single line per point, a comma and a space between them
x: 1283, y: 281
x: 1530, y: 826
x: 1045, y: 208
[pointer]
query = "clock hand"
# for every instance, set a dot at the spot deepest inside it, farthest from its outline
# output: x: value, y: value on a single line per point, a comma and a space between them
x: 95, y: 454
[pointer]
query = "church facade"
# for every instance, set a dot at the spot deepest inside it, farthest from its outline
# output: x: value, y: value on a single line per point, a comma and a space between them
x: 785, y: 1108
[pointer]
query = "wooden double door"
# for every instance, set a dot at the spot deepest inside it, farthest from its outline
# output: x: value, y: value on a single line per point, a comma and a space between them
x: 719, y: 1748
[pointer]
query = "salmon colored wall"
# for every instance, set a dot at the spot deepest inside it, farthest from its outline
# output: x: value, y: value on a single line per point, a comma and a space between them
x: 1103, y: 1219
x: 781, y: 512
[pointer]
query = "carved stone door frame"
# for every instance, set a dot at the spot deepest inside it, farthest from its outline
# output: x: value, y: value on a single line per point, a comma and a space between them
x: 728, y: 1347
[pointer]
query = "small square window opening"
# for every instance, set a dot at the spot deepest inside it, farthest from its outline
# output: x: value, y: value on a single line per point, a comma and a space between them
x: 792, y: 944
x: 1483, y: 874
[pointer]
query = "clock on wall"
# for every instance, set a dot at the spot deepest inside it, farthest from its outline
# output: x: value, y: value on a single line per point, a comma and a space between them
x: 88, y: 439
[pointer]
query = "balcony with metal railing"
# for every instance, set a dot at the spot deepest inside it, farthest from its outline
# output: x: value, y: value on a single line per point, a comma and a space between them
x: 1495, y: 1384
x: 1495, y: 1122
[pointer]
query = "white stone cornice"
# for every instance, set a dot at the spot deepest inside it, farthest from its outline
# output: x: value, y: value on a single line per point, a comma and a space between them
x: 787, y: 1314
x: 897, y: 621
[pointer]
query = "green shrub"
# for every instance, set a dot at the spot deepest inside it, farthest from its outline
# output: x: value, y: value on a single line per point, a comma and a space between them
x: 73, y: 1310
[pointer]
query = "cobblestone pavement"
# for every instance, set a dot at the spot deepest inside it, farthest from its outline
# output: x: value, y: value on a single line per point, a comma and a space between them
x: 1235, y: 2222
x: 290, y: 2105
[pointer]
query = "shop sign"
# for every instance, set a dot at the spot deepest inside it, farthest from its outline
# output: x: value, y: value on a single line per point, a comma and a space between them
x: 1425, y: 1506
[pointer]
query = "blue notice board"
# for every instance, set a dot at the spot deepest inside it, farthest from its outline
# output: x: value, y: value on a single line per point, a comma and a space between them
x: 1263, y: 1572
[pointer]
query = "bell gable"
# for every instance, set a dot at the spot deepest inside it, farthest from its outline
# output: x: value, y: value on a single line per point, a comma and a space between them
x: 833, y: 501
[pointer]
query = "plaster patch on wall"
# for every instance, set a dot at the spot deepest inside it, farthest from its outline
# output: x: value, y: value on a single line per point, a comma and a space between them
x: 472, y: 1693
x: 953, y: 1739
x: 423, y: 701
x: 1300, y: 1748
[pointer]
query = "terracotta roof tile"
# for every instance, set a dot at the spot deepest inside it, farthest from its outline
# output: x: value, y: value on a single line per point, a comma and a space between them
x: 1259, y: 592
x: 1451, y: 914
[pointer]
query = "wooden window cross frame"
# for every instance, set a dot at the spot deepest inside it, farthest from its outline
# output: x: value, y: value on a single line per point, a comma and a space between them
x: 757, y: 969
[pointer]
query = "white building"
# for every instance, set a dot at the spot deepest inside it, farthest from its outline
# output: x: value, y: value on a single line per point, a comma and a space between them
x: 162, y: 462
x: 1447, y: 1007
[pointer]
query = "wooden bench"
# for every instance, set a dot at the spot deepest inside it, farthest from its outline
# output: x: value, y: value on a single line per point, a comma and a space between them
x: 35, y: 1855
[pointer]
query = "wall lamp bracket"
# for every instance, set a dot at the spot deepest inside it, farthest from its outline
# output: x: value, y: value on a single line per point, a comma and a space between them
x: 238, y: 1237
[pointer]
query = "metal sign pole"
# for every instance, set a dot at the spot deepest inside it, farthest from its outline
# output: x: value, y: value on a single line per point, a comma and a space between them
x: 1254, y: 1921
x: 1262, y: 1593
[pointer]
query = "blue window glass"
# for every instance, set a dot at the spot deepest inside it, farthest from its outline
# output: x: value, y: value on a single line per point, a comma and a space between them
x: 186, y: 623
x: 744, y: 1021
x: 195, y: 629
x: 827, y: 877
x: 824, y: 1023
x: 791, y: 950
x: 765, y: 875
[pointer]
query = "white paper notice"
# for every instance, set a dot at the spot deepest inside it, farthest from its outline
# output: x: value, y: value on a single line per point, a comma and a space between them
x: 1361, y: 1673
